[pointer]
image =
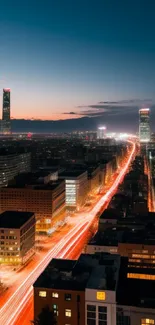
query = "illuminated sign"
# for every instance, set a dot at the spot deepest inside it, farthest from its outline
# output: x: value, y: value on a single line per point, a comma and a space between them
x: 100, y: 295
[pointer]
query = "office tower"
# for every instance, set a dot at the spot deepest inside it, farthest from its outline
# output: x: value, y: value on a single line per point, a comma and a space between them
x: 6, y: 123
x: 144, y: 125
x: 101, y: 132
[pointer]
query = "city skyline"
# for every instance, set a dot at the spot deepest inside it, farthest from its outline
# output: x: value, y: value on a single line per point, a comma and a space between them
x: 64, y: 60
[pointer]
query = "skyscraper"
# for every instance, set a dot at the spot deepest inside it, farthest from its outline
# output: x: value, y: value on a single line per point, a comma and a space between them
x: 101, y: 132
x: 6, y: 123
x: 144, y: 125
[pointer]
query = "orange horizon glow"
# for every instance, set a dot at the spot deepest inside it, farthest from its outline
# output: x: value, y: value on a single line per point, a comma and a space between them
x: 53, y: 117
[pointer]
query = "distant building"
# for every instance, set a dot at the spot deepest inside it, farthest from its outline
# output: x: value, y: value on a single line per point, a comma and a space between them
x: 101, y: 132
x: 17, y: 231
x: 6, y: 122
x: 144, y: 125
x: 12, y: 164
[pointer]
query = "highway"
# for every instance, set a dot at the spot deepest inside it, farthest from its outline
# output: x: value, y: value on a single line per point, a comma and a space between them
x: 16, y: 305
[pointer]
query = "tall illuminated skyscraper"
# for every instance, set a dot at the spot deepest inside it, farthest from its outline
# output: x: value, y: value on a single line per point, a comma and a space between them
x: 144, y: 125
x: 101, y: 132
x: 6, y: 122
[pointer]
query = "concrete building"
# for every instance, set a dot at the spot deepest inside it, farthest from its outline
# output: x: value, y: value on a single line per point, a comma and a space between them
x: 76, y: 187
x: 12, y: 164
x: 100, y: 295
x: 62, y: 287
x: 139, y: 247
x: 144, y: 125
x: 17, y: 237
x: 135, y: 295
x: 100, y: 289
x: 33, y: 192
x: 94, y: 178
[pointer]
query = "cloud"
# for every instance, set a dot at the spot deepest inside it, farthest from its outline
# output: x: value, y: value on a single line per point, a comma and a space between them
x: 70, y: 113
x: 109, y: 108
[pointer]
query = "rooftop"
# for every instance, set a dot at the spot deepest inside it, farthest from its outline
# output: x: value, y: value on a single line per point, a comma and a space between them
x: 95, y: 271
x: 14, y: 219
x: 110, y: 213
x: 110, y: 237
x: 36, y: 181
x: 72, y: 173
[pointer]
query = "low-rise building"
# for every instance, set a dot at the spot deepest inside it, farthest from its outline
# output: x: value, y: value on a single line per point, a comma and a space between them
x: 99, y: 289
x: 135, y: 295
x: 100, y: 295
x: 17, y: 237
x: 62, y: 287
x: 44, y: 197
x: 76, y: 187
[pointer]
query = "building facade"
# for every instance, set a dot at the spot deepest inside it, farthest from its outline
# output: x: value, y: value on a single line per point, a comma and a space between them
x: 47, y: 201
x: 76, y: 187
x: 17, y: 237
x: 144, y: 125
x: 12, y: 165
x: 63, y: 290
x: 6, y: 122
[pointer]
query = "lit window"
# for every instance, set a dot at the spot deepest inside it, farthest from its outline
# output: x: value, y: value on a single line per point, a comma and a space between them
x: 100, y: 295
x: 68, y: 313
x: 11, y: 232
x: 145, y: 321
x: 55, y: 295
x: 141, y: 276
x: 55, y: 309
x: 42, y: 294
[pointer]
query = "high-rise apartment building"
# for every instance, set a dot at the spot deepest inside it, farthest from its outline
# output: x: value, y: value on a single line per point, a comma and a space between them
x: 6, y: 122
x: 144, y: 125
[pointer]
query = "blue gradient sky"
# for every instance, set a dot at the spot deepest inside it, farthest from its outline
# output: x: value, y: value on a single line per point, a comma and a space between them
x: 56, y: 55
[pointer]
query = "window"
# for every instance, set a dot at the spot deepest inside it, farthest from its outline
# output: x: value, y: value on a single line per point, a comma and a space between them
x: 141, y: 276
x: 91, y: 321
x: 100, y: 295
x: 68, y: 296
x: 91, y: 308
x: 68, y: 313
x: 42, y: 294
x: 102, y: 315
x: 145, y: 321
x: 91, y: 315
x: 55, y: 295
x: 55, y: 309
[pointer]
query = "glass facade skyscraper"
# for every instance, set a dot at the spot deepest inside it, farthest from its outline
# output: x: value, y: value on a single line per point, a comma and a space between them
x: 6, y: 122
x: 144, y: 125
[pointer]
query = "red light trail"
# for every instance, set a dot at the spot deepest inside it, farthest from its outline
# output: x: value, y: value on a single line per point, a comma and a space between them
x: 14, y: 310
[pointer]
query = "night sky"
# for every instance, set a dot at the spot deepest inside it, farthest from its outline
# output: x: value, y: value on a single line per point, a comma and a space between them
x: 71, y: 58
